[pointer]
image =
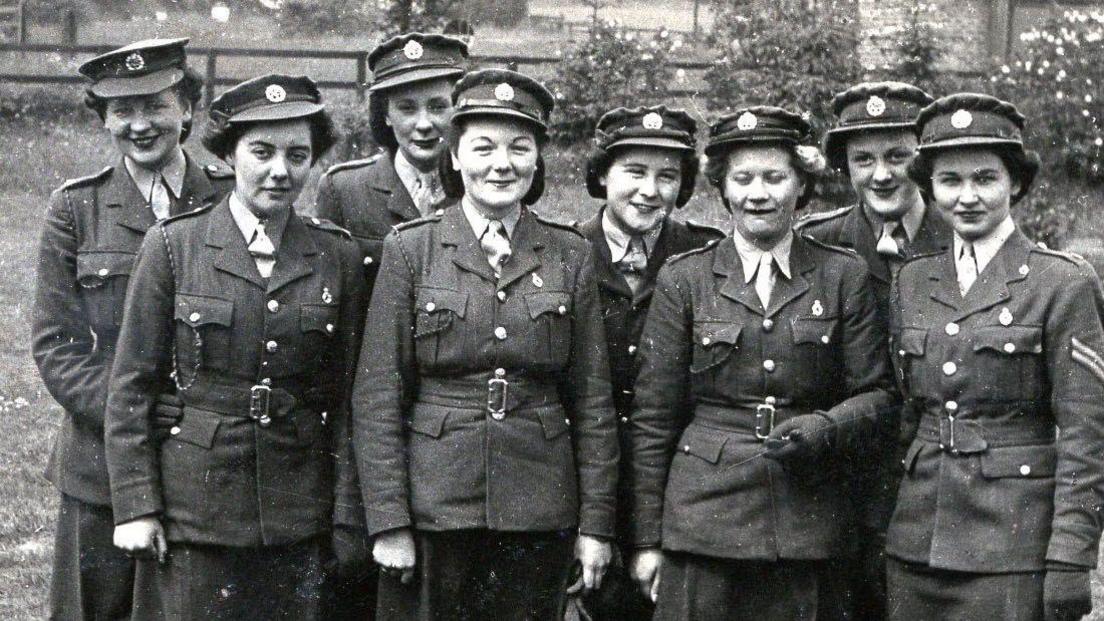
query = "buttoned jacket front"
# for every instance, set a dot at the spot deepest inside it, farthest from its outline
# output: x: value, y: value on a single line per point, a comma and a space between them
x: 712, y: 355
x: 999, y: 369
x: 94, y: 227
x: 202, y: 322
x: 430, y: 452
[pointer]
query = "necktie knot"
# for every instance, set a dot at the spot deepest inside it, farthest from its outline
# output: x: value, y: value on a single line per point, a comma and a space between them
x: 262, y: 250
x: 764, y: 278
x: 967, y: 267
x: 892, y: 241
x: 496, y: 245
x: 159, y: 198
x: 634, y: 263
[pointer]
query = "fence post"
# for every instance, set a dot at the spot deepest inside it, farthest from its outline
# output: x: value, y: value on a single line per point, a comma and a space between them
x: 362, y: 76
x: 70, y: 27
x: 209, y: 88
x: 22, y: 23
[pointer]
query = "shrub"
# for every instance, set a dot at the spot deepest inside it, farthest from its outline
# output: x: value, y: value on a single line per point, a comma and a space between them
x: 327, y: 16
x: 612, y: 68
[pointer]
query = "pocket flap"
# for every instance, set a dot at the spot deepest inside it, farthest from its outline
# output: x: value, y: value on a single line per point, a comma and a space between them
x: 709, y: 333
x: 435, y: 300
x: 1010, y: 339
x: 816, y: 330
x: 198, y: 310
x: 428, y: 420
x: 319, y: 318
x: 555, y: 302
x: 553, y: 421
x: 197, y: 427
x: 94, y: 267
x: 1024, y: 462
x: 910, y: 456
x: 704, y: 443
x: 912, y: 341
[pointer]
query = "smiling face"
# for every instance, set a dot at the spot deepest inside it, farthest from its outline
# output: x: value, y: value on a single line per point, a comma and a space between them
x: 878, y: 163
x: 642, y: 185
x: 973, y: 188
x: 146, y: 128
x: 762, y: 187
x: 497, y: 159
x: 271, y: 163
x: 419, y: 116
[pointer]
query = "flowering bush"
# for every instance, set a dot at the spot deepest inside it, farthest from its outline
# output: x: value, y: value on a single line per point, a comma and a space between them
x: 612, y: 68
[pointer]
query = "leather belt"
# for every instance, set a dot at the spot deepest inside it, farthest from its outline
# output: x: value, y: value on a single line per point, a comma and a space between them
x: 959, y: 435
x: 758, y: 420
x: 497, y: 395
x: 260, y: 402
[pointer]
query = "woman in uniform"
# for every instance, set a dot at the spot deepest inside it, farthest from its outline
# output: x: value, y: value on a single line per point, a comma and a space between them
x: 145, y: 94
x: 483, y: 425
x: 251, y: 315
x: 764, y: 362
x: 998, y: 345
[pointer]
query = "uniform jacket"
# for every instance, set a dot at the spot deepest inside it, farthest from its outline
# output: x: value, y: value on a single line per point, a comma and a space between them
x: 623, y: 315
x: 1003, y: 362
x: 711, y: 355
x: 92, y: 232
x: 201, y: 316
x: 429, y: 452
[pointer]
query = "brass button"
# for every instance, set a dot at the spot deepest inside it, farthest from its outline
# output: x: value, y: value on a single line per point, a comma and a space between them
x: 103, y: 271
x: 273, y: 306
x: 562, y: 309
x: 194, y: 317
x: 329, y: 328
x: 430, y: 307
x: 632, y: 349
x: 267, y: 381
x: 951, y: 329
x: 1009, y: 347
x: 498, y: 415
x: 625, y: 419
x: 1025, y: 470
x: 824, y: 339
x: 271, y: 347
x: 951, y: 406
x: 500, y: 333
x: 174, y: 430
x: 949, y: 368
x: 367, y: 260
x: 768, y: 325
x: 768, y: 365
x: 706, y: 340
x: 501, y: 295
x: 685, y: 448
x: 901, y: 352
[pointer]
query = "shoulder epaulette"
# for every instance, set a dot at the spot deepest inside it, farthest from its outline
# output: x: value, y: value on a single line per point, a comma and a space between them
x: 821, y: 244
x: 822, y: 216
x: 189, y: 214
x: 323, y: 224
x: 1072, y: 257
x: 352, y: 164
x: 710, y: 245
x: 704, y: 228
x: 83, y: 181
x: 567, y: 226
x: 218, y: 171
x: 409, y: 224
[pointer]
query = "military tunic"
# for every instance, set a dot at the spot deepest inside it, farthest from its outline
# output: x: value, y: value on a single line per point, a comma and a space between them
x: 94, y: 227
x: 989, y: 487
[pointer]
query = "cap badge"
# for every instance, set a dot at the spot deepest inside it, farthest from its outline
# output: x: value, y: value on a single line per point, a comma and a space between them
x: 747, y: 122
x: 413, y: 50
x: 1005, y: 317
x: 961, y: 119
x: 275, y: 93
x: 652, y: 120
x: 135, y: 62
x: 504, y: 92
x: 875, y: 106
x: 1024, y: 269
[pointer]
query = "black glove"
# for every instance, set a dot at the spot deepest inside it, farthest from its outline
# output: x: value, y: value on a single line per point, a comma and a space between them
x: 1067, y: 595
x: 349, y: 545
x: 167, y: 412
x: 800, y: 440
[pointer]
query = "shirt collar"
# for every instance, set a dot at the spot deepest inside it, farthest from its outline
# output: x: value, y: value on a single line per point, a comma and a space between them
x: 912, y: 220
x: 247, y: 221
x: 987, y: 247
x: 618, y: 240
x: 750, y: 254
x: 412, y: 178
x: 173, y: 172
x: 479, y: 222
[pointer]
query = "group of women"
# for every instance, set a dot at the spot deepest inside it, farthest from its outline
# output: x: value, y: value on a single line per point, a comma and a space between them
x: 518, y: 419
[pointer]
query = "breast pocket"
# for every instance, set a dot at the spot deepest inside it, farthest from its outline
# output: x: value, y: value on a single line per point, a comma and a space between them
x: 910, y: 344
x: 203, y: 334
x: 815, y: 341
x: 437, y: 311
x: 1010, y: 358
x: 102, y: 276
x: 551, y: 312
x: 714, y: 343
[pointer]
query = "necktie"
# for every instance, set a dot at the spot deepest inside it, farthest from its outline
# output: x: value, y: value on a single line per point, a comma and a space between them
x: 159, y: 200
x: 764, y: 279
x: 892, y: 242
x: 262, y: 250
x: 633, y: 264
x: 428, y: 193
x: 967, y: 268
x: 496, y: 245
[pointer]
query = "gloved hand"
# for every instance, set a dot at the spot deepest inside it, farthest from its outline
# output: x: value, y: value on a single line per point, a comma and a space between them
x: 1067, y: 595
x: 349, y: 545
x: 167, y: 412
x: 800, y: 440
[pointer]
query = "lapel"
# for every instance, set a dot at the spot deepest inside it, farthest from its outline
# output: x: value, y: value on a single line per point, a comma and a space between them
x: 991, y: 287
x: 607, y: 275
x: 933, y: 235
x: 786, y: 290
x: 197, y: 190
x: 525, y: 248
x: 859, y: 235
x: 468, y: 255
x: 232, y: 256
x: 656, y: 258
x: 292, y: 258
x: 387, y: 182
x: 726, y: 263
x: 944, y: 280
x: 129, y: 207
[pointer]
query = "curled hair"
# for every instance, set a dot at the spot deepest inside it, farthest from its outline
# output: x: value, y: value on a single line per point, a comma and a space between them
x: 1022, y: 167
x: 599, y: 161
x: 807, y: 165
x: 377, y: 122
x: 188, y: 91
x: 221, y: 138
x: 453, y: 182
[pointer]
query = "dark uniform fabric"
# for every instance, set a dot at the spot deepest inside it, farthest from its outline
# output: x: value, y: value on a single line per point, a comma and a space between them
x: 988, y: 487
x: 921, y: 594
x: 94, y: 227
x: 876, y: 474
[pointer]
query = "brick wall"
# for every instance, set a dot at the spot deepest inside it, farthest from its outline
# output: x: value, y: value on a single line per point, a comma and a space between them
x: 959, y: 27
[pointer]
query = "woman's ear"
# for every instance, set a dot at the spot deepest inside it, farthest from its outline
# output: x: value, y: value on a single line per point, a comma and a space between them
x: 455, y: 162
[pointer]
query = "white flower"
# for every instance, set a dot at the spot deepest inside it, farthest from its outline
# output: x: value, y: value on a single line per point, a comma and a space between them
x: 1027, y: 66
x: 1061, y: 75
x: 1005, y: 69
x: 1085, y: 113
x: 1059, y: 95
x: 1088, y: 98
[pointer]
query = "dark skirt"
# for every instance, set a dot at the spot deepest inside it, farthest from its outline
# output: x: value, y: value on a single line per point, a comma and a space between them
x: 92, y: 579
x: 919, y: 593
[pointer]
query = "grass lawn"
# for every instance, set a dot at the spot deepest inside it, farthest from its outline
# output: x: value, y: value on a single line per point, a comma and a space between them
x: 36, y: 159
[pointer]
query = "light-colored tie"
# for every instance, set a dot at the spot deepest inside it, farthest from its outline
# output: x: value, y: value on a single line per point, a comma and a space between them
x: 633, y: 264
x: 262, y: 250
x: 428, y: 193
x: 159, y: 200
x: 764, y: 279
x: 496, y: 245
x: 967, y: 268
x: 891, y: 243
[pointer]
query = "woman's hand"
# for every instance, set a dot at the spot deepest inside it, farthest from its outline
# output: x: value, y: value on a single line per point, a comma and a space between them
x: 142, y: 538
x: 594, y: 556
x: 644, y: 569
x: 393, y: 551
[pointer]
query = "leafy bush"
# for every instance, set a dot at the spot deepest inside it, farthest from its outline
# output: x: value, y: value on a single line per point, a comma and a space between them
x: 328, y: 16
x: 614, y: 67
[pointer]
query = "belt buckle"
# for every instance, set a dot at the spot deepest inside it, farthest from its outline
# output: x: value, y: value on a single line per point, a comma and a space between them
x: 947, y: 434
x: 764, y: 417
x: 259, y: 397
x: 496, y: 396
